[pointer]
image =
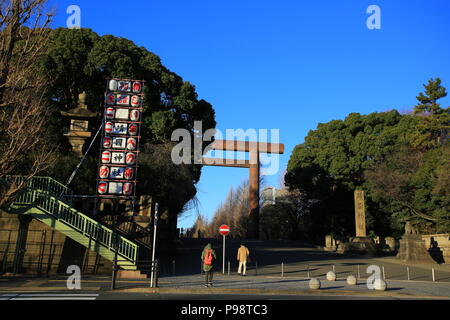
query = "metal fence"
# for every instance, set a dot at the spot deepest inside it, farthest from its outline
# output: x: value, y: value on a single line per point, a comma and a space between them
x: 80, y: 222
x: 46, y: 184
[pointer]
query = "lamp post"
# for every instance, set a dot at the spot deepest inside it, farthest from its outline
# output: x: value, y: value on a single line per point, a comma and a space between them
x: 155, y: 224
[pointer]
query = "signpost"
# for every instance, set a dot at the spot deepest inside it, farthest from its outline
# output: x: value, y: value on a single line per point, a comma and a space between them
x: 224, y: 230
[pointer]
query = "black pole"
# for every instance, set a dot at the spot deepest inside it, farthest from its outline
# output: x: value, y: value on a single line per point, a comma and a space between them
x: 86, y: 255
x: 155, y: 224
x: 5, y: 254
x: 113, y: 278
x: 114, y: 273
x: 50, y: 258
x: 52, y: 255
x: 41, y: 253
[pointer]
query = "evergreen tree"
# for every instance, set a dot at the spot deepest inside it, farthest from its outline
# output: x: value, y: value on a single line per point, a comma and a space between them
x: 428, y: 100
x: 79, y: 60
x: 401, y: 161
x: 434, y: 121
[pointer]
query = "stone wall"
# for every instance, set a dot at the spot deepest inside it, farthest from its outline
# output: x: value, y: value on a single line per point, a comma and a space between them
x: 47, y: 251
x: 438, y: 245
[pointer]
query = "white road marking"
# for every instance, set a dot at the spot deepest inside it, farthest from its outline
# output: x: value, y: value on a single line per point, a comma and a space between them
x: 49, y: 296
x: 55, y: 298
x: 59, y: 295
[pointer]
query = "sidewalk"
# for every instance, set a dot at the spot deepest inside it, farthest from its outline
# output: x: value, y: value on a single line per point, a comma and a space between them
x: 298, y: 285
x: 235, y: 285
x: 284, y: 269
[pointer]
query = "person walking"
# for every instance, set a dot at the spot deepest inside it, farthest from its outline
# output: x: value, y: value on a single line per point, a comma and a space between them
x: 242, y: 257
x: 208, y: 258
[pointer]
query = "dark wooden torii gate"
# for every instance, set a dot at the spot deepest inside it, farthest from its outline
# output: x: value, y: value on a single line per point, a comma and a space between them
x: 254, y: 148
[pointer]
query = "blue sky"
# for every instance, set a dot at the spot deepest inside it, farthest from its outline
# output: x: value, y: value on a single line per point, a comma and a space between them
x: 285, y: 65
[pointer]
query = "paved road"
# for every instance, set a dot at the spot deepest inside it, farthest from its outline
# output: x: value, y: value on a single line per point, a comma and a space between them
x: 298, y: 259
x: 235, y: 286
x: 300, y: 262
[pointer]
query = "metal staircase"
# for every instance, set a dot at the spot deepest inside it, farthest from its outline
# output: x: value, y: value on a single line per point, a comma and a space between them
x: 49, y: 201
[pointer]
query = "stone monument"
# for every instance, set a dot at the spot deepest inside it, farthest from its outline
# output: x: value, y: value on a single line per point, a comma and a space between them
x: 360, y: 213
x: 330, y: 243
x: 79, y: 130
x: 412, y: 247
x: 361, y: 244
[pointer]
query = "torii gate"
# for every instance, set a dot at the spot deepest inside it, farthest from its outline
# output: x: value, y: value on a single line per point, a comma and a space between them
x: 255, y: 148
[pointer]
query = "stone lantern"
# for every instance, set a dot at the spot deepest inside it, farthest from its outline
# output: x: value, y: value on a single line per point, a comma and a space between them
x: 79, y: 130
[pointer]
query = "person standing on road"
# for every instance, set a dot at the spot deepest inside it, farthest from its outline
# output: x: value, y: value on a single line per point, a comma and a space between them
x: 208, y: 258
x: 242, y: 257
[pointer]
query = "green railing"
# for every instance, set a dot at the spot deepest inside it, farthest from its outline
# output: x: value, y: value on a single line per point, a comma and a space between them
x: 47, y: 184
x: 78, y: 221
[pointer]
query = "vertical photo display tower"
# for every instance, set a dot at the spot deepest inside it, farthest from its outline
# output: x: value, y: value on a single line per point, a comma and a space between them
x: 121, y: 134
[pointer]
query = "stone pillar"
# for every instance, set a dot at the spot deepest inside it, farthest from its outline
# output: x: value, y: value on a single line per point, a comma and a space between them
x: 360, y: 213
x: 328, y: 241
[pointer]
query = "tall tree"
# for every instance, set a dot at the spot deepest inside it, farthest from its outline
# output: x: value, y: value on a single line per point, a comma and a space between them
x: 233, y: 212
x: 80, y: 60
x: 412, y: 185
x: 330, y: 165
x: 428, y: 100
x: 23, y: 113
x: 285, y: 219
x: 399, y: 160
x: 434, y: 121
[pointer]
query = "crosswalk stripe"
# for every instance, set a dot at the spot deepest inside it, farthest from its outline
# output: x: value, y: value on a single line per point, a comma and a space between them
x: 54, y: 298
x: 59, y: 295
x: 49, y: 296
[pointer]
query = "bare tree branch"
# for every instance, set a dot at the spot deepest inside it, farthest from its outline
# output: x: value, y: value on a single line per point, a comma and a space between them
x: 24, y: 35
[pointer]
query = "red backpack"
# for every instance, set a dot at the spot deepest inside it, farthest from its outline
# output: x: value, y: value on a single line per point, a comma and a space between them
x: 208, y: 259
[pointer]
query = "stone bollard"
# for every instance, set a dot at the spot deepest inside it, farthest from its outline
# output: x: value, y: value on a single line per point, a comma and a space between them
x: 331, y: 276
x: 351, y: 280
x: 314, y: 284
x: 380, y: 285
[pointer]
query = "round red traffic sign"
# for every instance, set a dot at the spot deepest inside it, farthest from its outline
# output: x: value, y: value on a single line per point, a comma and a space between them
x: 224, y: 229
